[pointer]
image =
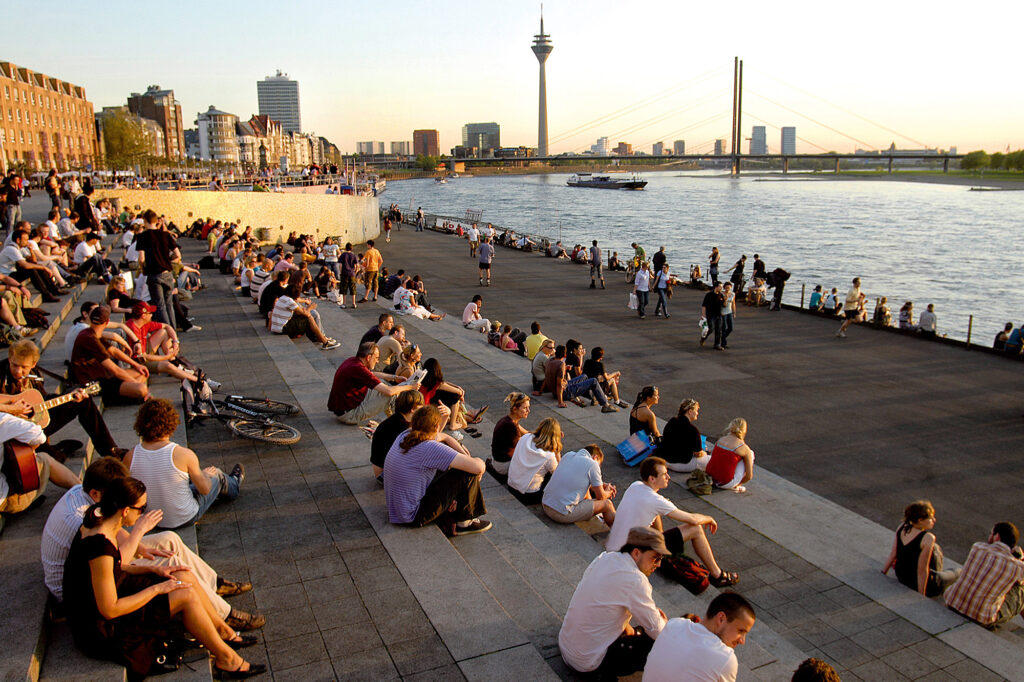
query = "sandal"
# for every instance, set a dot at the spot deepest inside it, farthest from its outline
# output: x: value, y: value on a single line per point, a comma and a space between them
x: 242, y: 641
x: 475, y: 434
x: 470, y: 429
x: 238, y: 674
x: 739, y: 489
x: 478, y: 415
x: 725, y: 579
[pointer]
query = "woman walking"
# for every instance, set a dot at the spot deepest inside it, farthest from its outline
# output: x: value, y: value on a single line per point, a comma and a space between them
x: 661, y: 287
x: 642, y: 288
x: 713, y: 265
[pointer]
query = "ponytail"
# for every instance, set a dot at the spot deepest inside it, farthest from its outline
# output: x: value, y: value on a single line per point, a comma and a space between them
x: 119, y: 495
x: 645, y: 393
x: 424, y: 424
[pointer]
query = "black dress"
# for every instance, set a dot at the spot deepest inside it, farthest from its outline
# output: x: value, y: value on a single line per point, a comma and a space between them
x: 907, y: 557
x: 129, y: 639
x: 679, y: 441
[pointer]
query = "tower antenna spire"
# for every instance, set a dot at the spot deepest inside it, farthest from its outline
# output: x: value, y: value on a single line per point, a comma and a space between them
x: 541, y: 49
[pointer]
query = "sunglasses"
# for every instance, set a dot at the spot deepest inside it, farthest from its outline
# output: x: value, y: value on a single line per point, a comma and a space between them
x: 141, y: 509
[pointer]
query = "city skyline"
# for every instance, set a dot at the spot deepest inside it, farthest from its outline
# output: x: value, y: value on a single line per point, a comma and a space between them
x: 677, y: 87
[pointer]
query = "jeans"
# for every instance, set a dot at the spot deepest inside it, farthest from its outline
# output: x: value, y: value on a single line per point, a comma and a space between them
x: 222, y: 487
x: 419, y: 224
x: 12, y: 215
x: 715, y: 327
x: 662, y: 304
x: 160, y: 288
x: 456, y: 486
x: 582, y: 385
x: 726, y: 328
x: 642, y: 298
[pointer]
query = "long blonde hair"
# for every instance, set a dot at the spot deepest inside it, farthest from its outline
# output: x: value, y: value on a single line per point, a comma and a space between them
x: 548, y: 436
x: 737, y: 427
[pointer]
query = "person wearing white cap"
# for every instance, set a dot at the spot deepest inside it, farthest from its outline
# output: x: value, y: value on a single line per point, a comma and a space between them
x: 596, y: 633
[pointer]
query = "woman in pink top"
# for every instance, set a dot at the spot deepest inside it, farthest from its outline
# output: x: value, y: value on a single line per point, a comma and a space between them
x: 732, y: 462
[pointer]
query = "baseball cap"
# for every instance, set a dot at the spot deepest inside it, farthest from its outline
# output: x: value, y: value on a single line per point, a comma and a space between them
x: 142, y: 307
x: 100, y: 313
x: 640, y: 536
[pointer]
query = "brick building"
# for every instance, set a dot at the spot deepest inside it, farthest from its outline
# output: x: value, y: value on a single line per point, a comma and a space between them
x: 160, y: 106
x: 45, y: 122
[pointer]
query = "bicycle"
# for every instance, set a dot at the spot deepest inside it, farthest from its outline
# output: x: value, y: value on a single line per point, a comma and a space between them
x: 247, y: 417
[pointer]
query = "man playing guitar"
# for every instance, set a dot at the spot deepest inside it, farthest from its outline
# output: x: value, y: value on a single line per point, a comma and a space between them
x: 16, y: 376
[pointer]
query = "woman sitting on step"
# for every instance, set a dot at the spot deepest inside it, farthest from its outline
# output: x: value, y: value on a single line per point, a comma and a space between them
x: 916, y: 555
x: 536, y: 456
x: 732, y: 462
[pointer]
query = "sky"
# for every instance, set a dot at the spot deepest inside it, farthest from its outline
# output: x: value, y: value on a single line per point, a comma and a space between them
x: 847, y: 75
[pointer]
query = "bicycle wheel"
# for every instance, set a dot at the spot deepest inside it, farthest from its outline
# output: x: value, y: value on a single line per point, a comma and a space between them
x: 261, y: 405
x: 268, y: 431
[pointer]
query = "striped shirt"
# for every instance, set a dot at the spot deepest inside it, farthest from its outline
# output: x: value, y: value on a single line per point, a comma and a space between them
x: 988, y: 574
x: 282, y: 312
x: 61, y: 526
x: 408, y: 473
x: 259, y: 276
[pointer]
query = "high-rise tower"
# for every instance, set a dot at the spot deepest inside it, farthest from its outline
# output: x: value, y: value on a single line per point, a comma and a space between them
x: 278, y: 98
x: 542, y: 48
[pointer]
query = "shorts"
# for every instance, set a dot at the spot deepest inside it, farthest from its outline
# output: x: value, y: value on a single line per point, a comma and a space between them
x: 19, y: 502
x: 347, y: 285
x: 485, y: 266
x: 852, y: 314
x: 595, y: 271
x: 110, y: 391
x: 369, y: 278
x: 581, y: 512
x: 152, y: 365
x: 296, y: 326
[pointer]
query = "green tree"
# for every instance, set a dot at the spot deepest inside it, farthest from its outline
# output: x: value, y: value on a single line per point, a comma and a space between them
x: 124, y: 140
x: 1015, y: 160
x: 997, y: 161
x: 974, y: 160
x: 426, y: 162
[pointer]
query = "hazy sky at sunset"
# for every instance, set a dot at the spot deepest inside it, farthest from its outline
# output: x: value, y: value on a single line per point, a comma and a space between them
x: 847, y: 75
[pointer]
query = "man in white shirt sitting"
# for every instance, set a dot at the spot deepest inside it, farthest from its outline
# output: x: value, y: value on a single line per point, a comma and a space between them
x: 23, y: 431
x: 614, y: 590
x: 89, y: 258
x: 694, y: 649
x: 642, y: 506
x: 471, y: 318
x: 295, y: 317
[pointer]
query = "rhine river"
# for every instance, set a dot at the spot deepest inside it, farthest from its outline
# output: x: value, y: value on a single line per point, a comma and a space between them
x: 928, y: 243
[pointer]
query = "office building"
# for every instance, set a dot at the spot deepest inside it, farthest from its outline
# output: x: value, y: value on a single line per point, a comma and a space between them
x: 720, y: 147
x: 400, y: 148
x: 624, y: 149
x: 369, y: 148
x: 788, y: 140
x: 160, y: 106
x: 483, y: 136
x: 278, y: 98
x: 679, y: 147
x: 48, y: 123
x: 658, y: 149
x: 541, y: 49
x: 425, y: 142
x: 218, y: 136
x: 758, y: 140
x: 601, y: 148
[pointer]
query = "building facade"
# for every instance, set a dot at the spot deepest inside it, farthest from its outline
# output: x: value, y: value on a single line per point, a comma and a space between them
x: 483, y: 136
x: 369, y: 148
x: 679, y: 147
x: 788, y: 140
x: 601, y: 147
x: 278, y: 98
x: 44, y: 122
x: 658, y: 149
x: 758, y: 140
x: 623, y: 149
x: 218, y: 137
x: 426, y: 142
x: 160, y: 106
x: 401, y: 148
x: 720, y: 147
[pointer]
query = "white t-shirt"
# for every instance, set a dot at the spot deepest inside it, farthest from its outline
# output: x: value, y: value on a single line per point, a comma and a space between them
x: 470, y: 313
x: 69, y: 338
x: 529, y: 465
x: 9, y: 257
x: 281, y: 313
x: 611, y: 592
x: 639, y: 507
x: 689, y: 651
x: 132, y: 254
x: 15, y: 428
x: 853, y: 299
x: 84, y: 252
x: 473, y: 234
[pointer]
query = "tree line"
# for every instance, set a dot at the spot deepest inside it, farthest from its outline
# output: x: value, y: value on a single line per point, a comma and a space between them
x: 978, y: 160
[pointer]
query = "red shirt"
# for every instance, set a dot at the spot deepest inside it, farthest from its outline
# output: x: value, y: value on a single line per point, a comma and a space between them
x: 144, y: 331
x: 351, y: 382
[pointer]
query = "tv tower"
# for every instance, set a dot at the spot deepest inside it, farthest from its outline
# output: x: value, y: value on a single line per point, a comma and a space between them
x: 542, y: 48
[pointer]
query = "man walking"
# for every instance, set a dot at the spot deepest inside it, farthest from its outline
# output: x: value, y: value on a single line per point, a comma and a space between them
x: 473, y: 235
x: 157, y: 249
x: 711, y: 310
x: 372, y: 261
x: 11, y: 191
x: 486, y: 256
x: 852, y: 308
x: 419, y: 219
x: 595, y: 265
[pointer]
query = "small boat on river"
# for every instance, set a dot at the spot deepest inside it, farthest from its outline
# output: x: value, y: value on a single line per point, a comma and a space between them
x: 605, y: 181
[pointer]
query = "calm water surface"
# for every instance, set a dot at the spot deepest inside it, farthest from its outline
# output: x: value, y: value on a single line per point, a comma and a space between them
x: 927, y: 243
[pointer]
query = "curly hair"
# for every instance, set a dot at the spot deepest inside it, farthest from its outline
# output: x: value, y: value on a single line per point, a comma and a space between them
x: 156, y: 419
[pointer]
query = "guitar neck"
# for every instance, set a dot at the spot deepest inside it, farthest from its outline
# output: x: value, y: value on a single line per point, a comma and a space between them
x: 58, y: 401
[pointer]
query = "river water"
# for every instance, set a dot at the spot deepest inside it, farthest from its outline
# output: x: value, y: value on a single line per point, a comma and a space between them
x: 928, y: 243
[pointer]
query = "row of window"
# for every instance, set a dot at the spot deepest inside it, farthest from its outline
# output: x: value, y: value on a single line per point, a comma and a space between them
x: 19, y: 136
x: 29, y: 97
x: 47, y: 120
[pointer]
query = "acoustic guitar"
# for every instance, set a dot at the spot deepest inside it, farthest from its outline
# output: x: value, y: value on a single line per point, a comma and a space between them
x: 19, y: 467
x: 40, y: 415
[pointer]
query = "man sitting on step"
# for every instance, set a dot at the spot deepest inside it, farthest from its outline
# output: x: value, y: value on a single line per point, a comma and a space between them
x: 990, y: 590
x: 23, y: 431
x: 358, y: 393
x: 17, y: 374
x: 156, y: 549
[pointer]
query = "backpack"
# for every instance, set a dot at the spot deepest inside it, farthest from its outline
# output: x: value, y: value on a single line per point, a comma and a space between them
x: 686, y: 572
x: 700, y: 483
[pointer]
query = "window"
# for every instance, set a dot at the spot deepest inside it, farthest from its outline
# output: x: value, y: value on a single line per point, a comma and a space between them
x: 33, y: 96
x: 7, y: 91
x: 16, y: 95
x: 21, y: 136
x: 18, y: 112
x: 35, y: 121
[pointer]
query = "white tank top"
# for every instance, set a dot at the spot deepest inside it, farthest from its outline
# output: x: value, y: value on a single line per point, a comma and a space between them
x: 167, y: 486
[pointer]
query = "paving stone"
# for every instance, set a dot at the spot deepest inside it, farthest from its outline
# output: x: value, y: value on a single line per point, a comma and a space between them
x: 518, y: 663
x: 351, y: 639
x: 295, y: 651
x: 817, y: 632
x: 278, y: 598
x: 449, y: 673
x: 329, y: 564
x: 419, y: 654
x: 910, y: 663
x: 847, y: 653
x: 877, y: 670
x: 370, y: 665
x: 286, y: 623
x: 331, y: 614
x: 320, y: 671
x: 937, y: 652
x: 330, y: 588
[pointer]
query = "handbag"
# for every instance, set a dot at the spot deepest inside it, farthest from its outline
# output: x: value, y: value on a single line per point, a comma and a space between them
x: 686, y: 572
x: 634, y: 302
x: 700, y: 483
x: 634, y: 449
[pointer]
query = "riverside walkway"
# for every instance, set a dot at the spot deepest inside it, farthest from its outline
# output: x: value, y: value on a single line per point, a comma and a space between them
x: 842, y: 441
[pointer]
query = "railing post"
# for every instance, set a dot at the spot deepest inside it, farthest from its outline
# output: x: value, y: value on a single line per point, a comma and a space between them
x: 970, y: 327
x: 803, y: 289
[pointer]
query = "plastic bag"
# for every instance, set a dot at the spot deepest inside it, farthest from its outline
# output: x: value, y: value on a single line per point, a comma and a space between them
x: 634, y: 303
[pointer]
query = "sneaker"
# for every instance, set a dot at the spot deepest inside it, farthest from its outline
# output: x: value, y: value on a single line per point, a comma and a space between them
x: 330, y: 345
x: 240, y: 620
x: 703, y: 338
x: 341, y: 305
x: 481, y: 281
x: 194, y: 328
x: 458, y: 435
x: 623, y: 404
x: 238, y: 472
x: 578, y: 401
x: 592, y: 285
x: 474, y: 526
x: 609, y: 408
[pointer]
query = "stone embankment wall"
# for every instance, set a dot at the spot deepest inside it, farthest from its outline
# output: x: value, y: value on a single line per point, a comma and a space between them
x: 349, y: 218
